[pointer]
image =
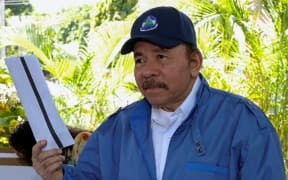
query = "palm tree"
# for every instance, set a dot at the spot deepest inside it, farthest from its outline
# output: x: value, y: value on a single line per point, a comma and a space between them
x: 92, y: 84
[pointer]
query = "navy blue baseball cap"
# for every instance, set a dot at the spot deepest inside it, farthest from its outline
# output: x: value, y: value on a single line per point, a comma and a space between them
x: 164, y: 26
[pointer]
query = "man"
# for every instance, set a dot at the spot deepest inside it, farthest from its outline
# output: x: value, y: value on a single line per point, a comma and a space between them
x: 182, y: 129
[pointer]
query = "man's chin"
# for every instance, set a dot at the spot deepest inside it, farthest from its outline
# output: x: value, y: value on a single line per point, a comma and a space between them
x: 155, y: 101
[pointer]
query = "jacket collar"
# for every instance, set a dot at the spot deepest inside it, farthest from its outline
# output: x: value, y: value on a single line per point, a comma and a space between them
x: 140, y: 120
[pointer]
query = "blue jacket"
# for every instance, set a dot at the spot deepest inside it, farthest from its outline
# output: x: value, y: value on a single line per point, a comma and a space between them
x: 225, y: 137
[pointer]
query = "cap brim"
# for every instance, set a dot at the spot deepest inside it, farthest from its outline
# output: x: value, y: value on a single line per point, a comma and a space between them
x: 128, y: 46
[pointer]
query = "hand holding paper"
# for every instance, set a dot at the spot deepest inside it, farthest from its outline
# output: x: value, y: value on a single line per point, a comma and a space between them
x: 37, y: 101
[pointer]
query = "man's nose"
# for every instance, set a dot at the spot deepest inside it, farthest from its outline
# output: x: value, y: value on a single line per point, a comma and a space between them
x: 150, y: 68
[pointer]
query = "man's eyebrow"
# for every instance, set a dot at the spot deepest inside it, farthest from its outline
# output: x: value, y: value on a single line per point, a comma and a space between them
x: 137, y: 54
x: 159, y: 49
x: 156, y: 50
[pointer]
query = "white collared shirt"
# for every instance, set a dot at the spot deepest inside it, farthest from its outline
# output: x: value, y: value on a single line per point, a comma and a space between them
x: 164, y: 124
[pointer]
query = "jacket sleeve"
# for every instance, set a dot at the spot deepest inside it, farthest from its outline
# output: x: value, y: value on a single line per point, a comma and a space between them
x: 262, y: 157
x: 88, y: 166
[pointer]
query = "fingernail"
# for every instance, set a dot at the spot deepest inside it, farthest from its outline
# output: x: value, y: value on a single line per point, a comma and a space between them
x: 42, y: 142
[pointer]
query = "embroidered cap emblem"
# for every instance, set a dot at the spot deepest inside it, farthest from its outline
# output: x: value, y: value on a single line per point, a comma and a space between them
x: 149, y: 24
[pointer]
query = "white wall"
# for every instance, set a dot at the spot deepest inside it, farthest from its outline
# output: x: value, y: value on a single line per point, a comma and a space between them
x: 11, y: 172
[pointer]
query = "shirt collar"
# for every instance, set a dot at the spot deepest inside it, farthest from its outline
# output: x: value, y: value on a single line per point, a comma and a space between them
x: 189, y: 103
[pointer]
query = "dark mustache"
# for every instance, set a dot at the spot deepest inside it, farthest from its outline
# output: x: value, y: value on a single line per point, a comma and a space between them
x: 151, y: 83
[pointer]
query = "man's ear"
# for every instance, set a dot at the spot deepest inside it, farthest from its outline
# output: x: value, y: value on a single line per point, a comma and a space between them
x: 196, y: 59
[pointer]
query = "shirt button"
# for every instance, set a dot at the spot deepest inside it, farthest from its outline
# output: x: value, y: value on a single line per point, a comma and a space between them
x: 199, y: 149
x: 197, y: 143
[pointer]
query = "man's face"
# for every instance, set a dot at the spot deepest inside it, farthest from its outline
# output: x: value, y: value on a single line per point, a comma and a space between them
x: 165, y: 76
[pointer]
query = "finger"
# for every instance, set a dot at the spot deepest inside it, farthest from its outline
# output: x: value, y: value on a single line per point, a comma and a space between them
x: 49, y: 154
x: 50, y: 166
x: 54, y: 163
x: 53, y: 160
x: 36, y: 151
x: 37, y: 148
x: 48, y: 161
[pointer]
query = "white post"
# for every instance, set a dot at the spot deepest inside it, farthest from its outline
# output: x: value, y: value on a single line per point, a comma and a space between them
x: 2, y: 11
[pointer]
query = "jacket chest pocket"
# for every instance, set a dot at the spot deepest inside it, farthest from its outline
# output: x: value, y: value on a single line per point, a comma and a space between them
x: 203, y: 171
x: 199, y: 171
x: 207, y: 168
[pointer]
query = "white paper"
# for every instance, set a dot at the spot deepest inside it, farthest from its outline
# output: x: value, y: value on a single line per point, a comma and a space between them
x: 37, y: 101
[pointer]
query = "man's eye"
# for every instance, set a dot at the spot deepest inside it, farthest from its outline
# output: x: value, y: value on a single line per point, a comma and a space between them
x: 138, y: 60
x: 161, y: 56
